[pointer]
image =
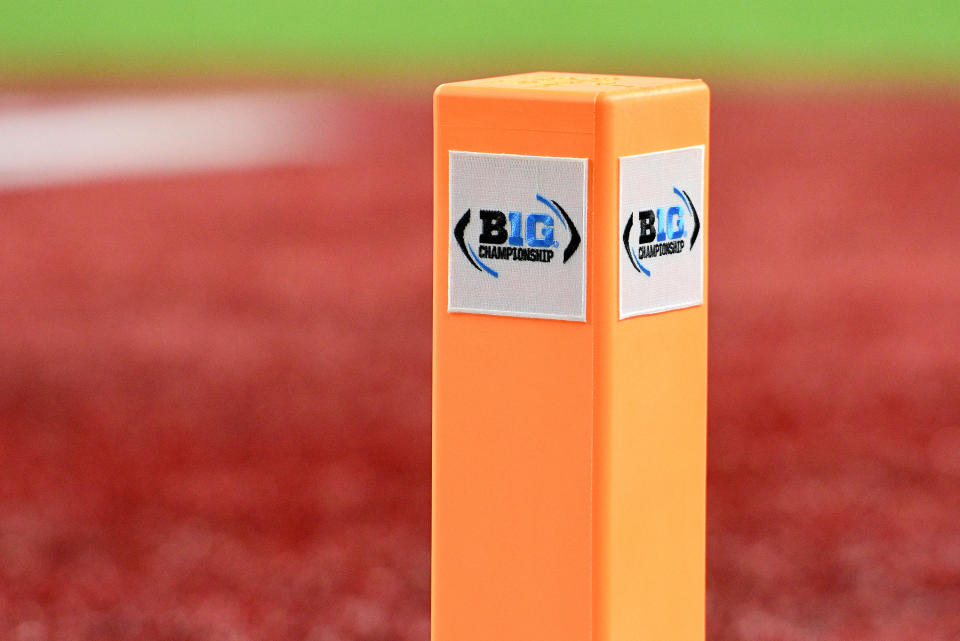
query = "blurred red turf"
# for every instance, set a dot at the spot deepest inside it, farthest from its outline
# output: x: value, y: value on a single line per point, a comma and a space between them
x: 214, y: 391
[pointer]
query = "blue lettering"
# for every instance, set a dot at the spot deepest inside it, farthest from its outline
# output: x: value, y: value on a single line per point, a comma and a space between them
x: 516, y: 229
x: 675, y: 222
x: 547, y: 222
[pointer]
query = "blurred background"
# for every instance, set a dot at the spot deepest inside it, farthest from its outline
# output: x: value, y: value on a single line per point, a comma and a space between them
x: 213, y: 426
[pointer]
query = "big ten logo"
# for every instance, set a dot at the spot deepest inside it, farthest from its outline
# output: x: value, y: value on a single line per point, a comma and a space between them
x: 516, y: 236
x: 493, y: 229
x: 661, y: 231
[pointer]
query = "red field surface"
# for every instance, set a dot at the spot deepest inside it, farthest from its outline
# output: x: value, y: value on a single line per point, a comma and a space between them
x: 215, y: 389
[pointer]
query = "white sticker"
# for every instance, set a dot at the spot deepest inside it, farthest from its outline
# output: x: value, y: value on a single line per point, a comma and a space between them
x: 518, y: 234
x: 661, y: 231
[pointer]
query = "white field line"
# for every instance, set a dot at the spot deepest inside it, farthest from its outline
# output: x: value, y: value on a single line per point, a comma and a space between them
x: 100, y: 138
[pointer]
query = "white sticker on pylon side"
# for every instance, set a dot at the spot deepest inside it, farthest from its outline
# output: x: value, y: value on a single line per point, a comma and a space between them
x: 518, y: 232
x: 661, y: 231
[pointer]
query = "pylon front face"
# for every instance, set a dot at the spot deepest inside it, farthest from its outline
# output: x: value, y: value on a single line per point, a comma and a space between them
x: 569, y: 358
